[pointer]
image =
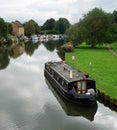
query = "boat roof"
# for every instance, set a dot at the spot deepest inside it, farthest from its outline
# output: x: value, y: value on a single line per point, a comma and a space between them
x: 64, y: 71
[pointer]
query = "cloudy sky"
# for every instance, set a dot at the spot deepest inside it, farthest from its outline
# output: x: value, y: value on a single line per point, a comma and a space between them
x: 41, y: 10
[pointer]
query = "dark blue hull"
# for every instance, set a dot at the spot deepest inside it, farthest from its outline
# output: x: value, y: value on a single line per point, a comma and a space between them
x: 75, y: 98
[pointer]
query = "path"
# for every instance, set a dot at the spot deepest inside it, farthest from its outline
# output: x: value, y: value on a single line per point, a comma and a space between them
x: 111, y: 50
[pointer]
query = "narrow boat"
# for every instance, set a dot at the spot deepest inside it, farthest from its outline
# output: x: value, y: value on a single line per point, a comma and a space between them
x: 71, y: 109
x: 72, y: 84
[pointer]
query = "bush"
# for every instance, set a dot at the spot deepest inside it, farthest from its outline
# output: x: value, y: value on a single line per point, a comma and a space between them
x: 68, y: 47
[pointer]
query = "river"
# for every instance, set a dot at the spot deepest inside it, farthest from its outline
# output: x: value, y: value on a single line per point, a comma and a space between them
x: 28, y: 102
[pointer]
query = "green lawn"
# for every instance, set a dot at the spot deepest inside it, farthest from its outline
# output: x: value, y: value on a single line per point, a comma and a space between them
x: 100, y: 64
x: 114, y: 46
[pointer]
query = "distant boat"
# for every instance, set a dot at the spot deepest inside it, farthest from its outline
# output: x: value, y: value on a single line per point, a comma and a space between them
x: 34, y: 38
x: 47, y: 37
x: 72, y: 84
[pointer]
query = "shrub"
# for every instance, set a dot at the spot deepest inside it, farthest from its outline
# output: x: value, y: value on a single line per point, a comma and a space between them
x: 68, y: 47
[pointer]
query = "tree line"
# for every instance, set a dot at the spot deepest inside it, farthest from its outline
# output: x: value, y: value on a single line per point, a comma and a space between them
x: 96, y: 27
x: 51, y: 26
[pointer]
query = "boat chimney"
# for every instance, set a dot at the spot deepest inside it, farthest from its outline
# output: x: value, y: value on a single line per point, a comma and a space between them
x: 71, y: 74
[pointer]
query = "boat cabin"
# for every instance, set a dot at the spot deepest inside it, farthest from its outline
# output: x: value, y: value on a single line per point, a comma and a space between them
x: 71, y: 80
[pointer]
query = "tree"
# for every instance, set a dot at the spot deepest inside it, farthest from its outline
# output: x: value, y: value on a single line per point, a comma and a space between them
x: 94, y: 27
x: 36, y: 26
x: 71, y: 34
x: 3, y: 28
x: 114, y: 17
x: 49, y: 24
x: 9, y: 25
x: 29, y: 28
x: 113, y: 27
x: 62, y: 25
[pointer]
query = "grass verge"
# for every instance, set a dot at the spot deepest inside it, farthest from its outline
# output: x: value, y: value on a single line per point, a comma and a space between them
x: 100, y: 64
x: 114, y: 46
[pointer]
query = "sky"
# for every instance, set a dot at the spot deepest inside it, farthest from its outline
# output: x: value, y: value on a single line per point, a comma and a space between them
x: 41, y: 10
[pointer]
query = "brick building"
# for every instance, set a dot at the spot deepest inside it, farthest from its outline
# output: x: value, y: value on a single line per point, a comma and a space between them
x: 18, y: 29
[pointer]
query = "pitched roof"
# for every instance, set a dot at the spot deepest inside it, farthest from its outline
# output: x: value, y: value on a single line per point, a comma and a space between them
x: 17, y: 24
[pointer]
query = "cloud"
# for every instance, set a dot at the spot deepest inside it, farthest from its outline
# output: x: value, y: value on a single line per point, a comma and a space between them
x: 41, y: 10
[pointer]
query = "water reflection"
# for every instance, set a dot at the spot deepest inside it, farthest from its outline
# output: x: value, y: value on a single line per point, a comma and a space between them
x: 51, y: 45
x: 4, y: 58
x: 16, y: 50
x: 72, y: 109
x: 107, y: 104
x: 21, y: 90
x: 61, y: 53
x: 30, y: 47
x: 26, y: 103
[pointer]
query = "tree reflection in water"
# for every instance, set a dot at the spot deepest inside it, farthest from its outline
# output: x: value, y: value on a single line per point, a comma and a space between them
x: 16, y: 50
x: 4, y: 58
x: 30, y: 47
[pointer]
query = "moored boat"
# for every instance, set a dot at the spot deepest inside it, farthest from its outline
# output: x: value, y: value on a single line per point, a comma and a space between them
x: 72, y: 109
x: 72, y: 84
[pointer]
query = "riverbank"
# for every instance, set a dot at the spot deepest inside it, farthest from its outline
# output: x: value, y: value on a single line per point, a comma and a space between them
x: 100, y: 64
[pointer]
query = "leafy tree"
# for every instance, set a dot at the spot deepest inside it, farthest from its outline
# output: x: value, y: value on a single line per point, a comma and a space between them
x: 114, y: 18
x: 37, y: 27
x: 3, y: 28
x: 9, y: 25
x: 71, y: 34
x: 62, y: 25
x: 113, y: 27
x: 49, y: 24
x: 94, y: 27
x: 29, y: 28
x: 112, y: 33
x: 98, y: 25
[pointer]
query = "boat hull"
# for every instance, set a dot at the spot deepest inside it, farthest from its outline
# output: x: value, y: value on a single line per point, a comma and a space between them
x: 75, y: 98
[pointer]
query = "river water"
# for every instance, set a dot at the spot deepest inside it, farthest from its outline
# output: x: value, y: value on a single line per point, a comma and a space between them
x: 28, y: 102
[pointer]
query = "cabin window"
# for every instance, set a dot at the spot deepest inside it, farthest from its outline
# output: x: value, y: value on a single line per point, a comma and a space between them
x: 55, y: 75
x: 57, y: 78
x: 81, y: 86
x: 52, y: 73
x: 62, y: 82
x: 65, y: 85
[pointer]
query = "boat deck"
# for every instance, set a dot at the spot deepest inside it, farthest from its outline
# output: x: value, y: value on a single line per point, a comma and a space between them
x: 65, y: 71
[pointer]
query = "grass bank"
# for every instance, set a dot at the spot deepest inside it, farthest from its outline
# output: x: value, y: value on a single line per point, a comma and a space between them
x: 114, y: 46
x: 100, y: 64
